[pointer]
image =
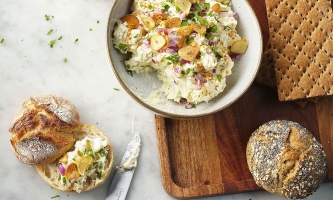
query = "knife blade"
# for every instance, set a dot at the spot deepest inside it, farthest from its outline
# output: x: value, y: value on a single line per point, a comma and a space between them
x: 124, y: 173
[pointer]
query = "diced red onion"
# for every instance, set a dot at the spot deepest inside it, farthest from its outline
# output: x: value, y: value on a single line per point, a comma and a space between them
x: 146, y: 42
x: 203, y: 81
x: 234, y: 55
x: 153, y: 60
x: 170, y: 50
x: 182, y: 16
x: 160, y: 29
x: 197, y: 76
x: 176, y: 70
x: 234, y: 14
x: 61, y: 169
x: 210, y: 43
x: 188, y: 106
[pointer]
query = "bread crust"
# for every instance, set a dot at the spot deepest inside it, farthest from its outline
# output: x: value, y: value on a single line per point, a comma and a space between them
x: 286, y: 159
x: 49, y: 172
x: 42, y: 128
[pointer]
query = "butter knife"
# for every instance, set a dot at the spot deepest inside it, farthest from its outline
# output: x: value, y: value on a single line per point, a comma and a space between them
x: 124, y: 173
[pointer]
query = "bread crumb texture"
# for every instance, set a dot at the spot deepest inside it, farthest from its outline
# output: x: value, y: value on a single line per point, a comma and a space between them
x: 42, y: 128
x: 285, y: 159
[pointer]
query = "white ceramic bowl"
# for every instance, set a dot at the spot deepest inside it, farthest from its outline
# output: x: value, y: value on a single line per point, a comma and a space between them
x: 243, y: 74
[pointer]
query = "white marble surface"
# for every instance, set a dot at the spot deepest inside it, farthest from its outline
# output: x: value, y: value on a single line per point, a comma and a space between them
x: 28, y: 66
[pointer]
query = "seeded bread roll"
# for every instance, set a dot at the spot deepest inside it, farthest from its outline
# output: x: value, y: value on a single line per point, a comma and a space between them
x: 42, y: 128
x: 89, y: 180
x: 285, y: 159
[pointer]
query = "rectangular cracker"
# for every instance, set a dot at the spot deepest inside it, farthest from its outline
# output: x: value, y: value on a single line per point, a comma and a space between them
x: 301, y: 47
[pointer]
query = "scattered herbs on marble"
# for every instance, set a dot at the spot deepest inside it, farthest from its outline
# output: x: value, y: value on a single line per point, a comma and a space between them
x: 56, y: 196
x: 2, y: 40
x: 76, y: 40
x: 117, y: 89
x: 97, y: 22
x: 50, y: 31
x: 65, y: 60
x: 90, y: 29
x: 60, y: 38
x: 47, y: 17
x: 52, y: 42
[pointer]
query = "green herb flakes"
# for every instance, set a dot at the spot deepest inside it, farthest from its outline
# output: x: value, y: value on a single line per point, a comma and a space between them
x: 173, y: 59
x: 197, y: 7
x: 117, y: 89
x: 90, y: 29
x: 65, y: 60
x: 47, y: 17
x: 76, y: 40
x: 52, y: 42
x: 56, y: 196
x: 50, y: 31
x: 97, y: 22
x: 2, y: 40
x: 219, y: 77
x: 227, y: 28
x: 122, y: 47
x: 60, y: 38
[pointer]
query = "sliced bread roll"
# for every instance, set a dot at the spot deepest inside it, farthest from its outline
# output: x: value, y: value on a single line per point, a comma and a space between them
x: 286, y: 159
x: 85, y: 166
x: 42, y: 128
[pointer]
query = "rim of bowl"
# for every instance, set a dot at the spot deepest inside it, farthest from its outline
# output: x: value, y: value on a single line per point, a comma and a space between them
x: 168, y: 114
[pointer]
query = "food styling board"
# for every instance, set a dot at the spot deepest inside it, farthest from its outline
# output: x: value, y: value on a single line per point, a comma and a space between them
x: 206, y: 156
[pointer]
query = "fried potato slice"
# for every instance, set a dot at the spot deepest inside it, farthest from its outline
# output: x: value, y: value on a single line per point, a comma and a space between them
x: 157, y: 41
x: 148, y: 22
x: 131, y: 20
x: 189, y: 52
x: 239, y: 46
x: 184, y: 30
x: 72, y: 172
x: 172, y: 22
x: 184, y: 5
x: 199, y: 28
x: 84, y: 163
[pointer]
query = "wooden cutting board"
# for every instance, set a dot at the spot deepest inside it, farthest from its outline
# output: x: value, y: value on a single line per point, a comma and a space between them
x: 206, y: 156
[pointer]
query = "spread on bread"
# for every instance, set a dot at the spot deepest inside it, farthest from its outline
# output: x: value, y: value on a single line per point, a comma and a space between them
x: 85, y: 163
x: 70, y: 156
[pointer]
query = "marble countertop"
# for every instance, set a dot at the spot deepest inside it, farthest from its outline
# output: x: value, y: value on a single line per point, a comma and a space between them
x: 29, y: 66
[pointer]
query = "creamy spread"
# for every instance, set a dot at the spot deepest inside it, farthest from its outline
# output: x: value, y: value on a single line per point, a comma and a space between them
x: 131, y: 155
x: 86, y: 161
x: 188, y: 44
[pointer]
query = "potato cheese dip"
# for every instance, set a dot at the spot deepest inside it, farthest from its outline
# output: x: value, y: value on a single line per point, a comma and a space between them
x: 190, y: 43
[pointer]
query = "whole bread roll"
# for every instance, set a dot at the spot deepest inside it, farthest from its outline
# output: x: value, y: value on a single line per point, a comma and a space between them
x: 285, y: 159
x: 42, y: 128
x: 58, y: 173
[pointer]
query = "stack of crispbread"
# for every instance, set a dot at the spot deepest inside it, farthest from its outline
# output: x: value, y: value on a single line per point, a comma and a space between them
x: 298, y: 61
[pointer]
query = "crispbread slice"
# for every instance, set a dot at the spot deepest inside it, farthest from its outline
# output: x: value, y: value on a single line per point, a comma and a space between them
x: 301, y: 47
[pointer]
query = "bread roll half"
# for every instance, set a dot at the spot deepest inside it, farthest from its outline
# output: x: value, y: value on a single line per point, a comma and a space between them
x: 42, y: 128
x: 286, y: 159
x: 85, y: 166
